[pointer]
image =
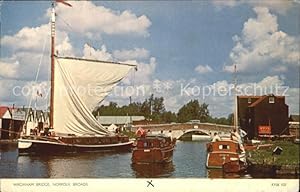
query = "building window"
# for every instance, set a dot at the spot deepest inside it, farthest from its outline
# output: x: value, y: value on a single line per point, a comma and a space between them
x: 271, y: 100
x: 249, y: 100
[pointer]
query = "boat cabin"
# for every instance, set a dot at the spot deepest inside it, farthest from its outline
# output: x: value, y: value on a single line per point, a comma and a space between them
x: 153, y: 142
x: 153, y: 149
x: 223, y: 146
x: 222, y: 152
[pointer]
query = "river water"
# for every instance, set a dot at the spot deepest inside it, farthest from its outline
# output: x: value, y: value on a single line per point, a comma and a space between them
x: 188, y: 162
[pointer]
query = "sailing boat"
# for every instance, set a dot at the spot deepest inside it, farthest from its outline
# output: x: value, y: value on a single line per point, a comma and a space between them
x: 228, y: 153
x: 77, y: 86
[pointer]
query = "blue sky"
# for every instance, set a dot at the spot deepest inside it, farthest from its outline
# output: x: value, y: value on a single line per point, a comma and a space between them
x: 175, y: 44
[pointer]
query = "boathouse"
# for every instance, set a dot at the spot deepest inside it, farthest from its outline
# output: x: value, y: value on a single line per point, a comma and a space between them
x: 12, y: 121
x: 17, y: 122
x: 263, y: 116
x: 5, y: 120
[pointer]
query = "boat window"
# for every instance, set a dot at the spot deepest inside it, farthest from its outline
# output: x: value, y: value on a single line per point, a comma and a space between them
x: 271, y: 100
x: 249, y: 100
x: 224, y: 147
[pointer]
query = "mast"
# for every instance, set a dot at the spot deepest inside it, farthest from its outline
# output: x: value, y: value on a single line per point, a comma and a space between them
x: 52, y: 64
x: 235, y: 115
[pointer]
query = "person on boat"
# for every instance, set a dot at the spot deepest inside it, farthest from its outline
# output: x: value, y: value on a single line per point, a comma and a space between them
x: 235, y: 136
x: 140, y: 132
x: 216, y: 137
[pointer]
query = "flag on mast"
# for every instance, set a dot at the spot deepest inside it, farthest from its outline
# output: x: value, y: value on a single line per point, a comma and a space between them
x: 63, y: 2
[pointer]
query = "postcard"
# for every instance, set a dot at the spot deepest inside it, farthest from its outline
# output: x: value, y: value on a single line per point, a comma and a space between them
x: 149, y: 95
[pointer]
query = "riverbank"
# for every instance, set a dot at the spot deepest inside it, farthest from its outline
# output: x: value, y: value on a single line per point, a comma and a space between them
x: 265, y: 162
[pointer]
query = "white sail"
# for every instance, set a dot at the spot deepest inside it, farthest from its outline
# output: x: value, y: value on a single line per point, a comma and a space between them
x: 80, y: 85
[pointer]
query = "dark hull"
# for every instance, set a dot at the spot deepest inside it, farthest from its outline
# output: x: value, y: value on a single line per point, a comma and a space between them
x: 153, y: 156
x: 226, y: 155
x: 50, y: 147
x: 153, y: 149
x: 234, y: 167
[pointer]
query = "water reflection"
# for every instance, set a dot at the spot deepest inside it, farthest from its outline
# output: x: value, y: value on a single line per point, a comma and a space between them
x: 188, y: 162
x: 8, y: 160
x: 32, y: 165
x: 76, y: 165
x: 218, y: 173
x: 153, y: 170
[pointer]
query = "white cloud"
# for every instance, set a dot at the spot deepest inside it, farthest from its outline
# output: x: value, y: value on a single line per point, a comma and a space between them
x: 279, y: 6
x: 65, y: 47
x: 263, y: 47
x: 90, y: 52
x: 227, y: 3
x: 34, y: 40
x: 270, y: 81
x: 145, y: 71
x: 137, y: 53
x: 86, y: 18
x: 30, y: 48
x: 203, y: 69
x: 8, y: 70
x: 27, y: 39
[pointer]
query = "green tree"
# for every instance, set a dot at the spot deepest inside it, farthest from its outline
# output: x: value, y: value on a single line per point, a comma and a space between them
x: 168, y: 117
x: 193, y: 110
x: 158, y: 106
x: 230, y: 119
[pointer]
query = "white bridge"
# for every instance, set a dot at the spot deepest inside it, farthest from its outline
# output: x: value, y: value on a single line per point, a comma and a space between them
x: 177, y: 130
x: 179, y: 133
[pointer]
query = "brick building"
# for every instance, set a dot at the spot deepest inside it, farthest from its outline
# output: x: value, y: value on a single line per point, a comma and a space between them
x: 263, y: 115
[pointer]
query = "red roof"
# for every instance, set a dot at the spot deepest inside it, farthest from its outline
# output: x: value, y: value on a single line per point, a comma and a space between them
x: 256, y: 97
x: 258, y: 101
x: 3, y: 110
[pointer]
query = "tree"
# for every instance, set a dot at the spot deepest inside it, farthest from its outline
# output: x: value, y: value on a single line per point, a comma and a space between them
x: 204, y: 112
x: 230, y: 119
x: 168, y: 117
x: 193, y: 110
x: 158, y: 106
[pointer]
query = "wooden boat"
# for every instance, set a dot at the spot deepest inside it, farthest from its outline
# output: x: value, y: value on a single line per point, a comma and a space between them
x: 234, y: 166
x: 226, y: 154
x: 71, y: 144
x: 72, y: 126
x: 153, y: 149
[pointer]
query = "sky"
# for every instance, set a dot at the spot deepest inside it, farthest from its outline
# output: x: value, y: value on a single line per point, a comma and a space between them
x: 183, y: 49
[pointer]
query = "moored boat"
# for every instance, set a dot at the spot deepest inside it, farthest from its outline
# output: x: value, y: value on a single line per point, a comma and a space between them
x: 153, y: 149
x: 226, y: 154
x: 71, y: 144
x: 72, y: 126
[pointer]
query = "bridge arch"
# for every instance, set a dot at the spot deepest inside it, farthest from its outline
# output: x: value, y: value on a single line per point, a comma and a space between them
x: 185, y: 132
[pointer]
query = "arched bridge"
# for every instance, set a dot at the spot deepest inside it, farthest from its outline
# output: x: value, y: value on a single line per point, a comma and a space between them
x: 179, y: 129
x: 179, y: 133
